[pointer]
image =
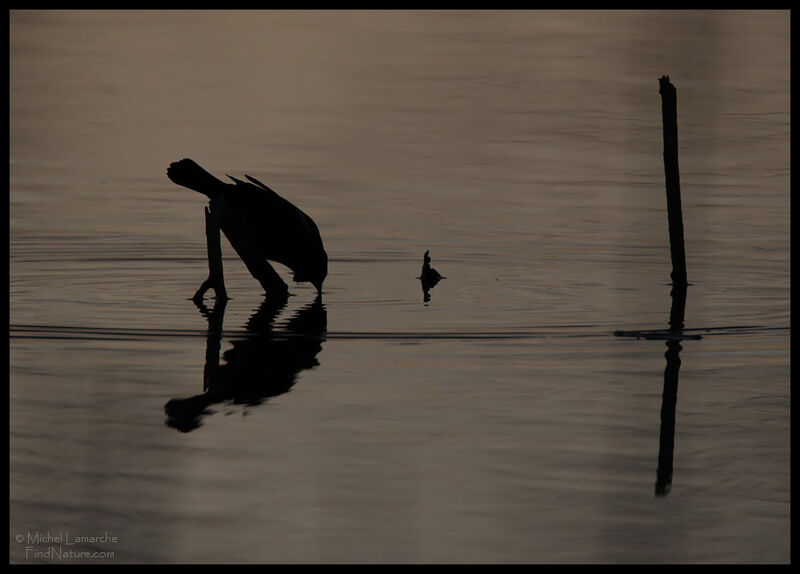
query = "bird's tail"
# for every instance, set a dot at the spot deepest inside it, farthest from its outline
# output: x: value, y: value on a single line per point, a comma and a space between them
x: 188, y: 174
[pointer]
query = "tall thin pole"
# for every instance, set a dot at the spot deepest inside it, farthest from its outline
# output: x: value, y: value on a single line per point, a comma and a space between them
x: 669, y: 113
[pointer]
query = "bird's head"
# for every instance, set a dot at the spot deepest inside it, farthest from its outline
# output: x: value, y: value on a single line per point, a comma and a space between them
x: 313, y: 269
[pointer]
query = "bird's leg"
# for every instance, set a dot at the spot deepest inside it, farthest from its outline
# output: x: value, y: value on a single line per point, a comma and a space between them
x: 256, y: 264
x: 265, y: 274
x: 269, y: 278
x: 215, y: 279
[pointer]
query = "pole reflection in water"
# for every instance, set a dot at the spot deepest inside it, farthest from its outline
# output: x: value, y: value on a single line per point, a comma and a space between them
x: 670, y: 396
x: 669, y: 400
x: 262, y: 365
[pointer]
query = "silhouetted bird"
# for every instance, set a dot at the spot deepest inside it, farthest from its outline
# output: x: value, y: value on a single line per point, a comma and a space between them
x: 260, y: 225
x: 429, y: 275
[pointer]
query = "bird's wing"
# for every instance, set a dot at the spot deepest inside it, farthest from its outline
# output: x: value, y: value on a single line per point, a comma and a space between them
x: 276, y: 228
x: 258, y: 183
x: 236, y: 181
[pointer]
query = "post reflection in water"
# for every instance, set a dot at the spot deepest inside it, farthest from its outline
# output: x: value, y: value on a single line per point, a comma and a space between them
x: 262, y: 365
x: 670, y: 396
x: 673, y: 336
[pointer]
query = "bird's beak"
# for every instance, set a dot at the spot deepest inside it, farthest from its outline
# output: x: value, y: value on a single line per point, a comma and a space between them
x: 318, y: 285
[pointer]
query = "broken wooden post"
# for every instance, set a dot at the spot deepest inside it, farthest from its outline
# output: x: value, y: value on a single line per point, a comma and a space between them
x: 215, y: 279
x: 675, y: 334
x: 669, y: 113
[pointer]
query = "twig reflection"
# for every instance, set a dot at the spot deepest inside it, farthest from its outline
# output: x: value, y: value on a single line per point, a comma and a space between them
x: 670, y: 395
x: 673, y: 338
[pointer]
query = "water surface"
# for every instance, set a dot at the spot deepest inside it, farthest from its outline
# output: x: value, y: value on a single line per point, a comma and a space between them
x: 500, y: 421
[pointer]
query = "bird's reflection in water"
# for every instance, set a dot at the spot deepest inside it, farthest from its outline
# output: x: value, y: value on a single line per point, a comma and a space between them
x: 263, y: 365
x: 426, y: 289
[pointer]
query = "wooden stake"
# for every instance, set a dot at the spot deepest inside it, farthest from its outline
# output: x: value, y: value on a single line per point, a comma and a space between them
x: 669, y: 113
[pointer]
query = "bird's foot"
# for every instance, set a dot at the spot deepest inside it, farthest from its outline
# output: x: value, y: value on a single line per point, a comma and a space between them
x: 209, y: 283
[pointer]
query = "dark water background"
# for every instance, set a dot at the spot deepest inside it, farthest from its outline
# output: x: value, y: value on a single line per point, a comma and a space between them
x: 500, y: 422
